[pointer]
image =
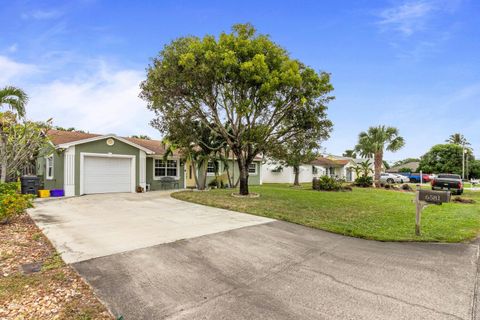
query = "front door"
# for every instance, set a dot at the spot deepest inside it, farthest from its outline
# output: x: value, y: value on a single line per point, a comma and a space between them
x: 190, y: 178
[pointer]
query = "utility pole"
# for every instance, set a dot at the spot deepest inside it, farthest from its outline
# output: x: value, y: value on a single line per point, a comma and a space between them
x: 463, y: 162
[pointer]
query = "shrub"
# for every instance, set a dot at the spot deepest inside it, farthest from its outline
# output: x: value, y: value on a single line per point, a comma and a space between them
x: 9, y: 187
x: 326, y: 183
x: 406, y: 187
x: 12, y: 203
x: 364, y: 181
x: 220, y: 181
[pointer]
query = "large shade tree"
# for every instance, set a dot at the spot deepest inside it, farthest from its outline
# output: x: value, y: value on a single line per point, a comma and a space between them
x: 14, y: 99
x: 445, y: 158
x: 242, y: 85
x: 375, y: 141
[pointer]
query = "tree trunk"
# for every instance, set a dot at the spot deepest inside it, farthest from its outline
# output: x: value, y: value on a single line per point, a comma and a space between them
x: 195, y: 175
x: 296, y: 171
x: 202, y: 175
x: 243, y: 167
x: 378, y: 160
x: 3, y: 157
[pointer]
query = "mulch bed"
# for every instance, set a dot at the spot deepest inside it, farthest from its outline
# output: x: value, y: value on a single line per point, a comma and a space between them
x: 34, y: 281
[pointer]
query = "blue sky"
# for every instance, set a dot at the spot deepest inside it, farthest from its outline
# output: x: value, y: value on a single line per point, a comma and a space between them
x: 410, y: 64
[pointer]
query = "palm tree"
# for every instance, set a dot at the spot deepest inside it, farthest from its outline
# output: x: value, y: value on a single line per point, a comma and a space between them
x: 350, y: 153
x: 375, y: 141
x: 14, y: 99
x: 458, y: 138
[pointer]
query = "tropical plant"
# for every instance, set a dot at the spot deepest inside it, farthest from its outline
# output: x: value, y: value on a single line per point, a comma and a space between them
x: 362, y: 173
x: 458, y: 138
x: 26, y: 141
x: 241, y: 85
x: 14, y: 99
x: 326, y: 183
x: 375, y: 141
x: 350, y: 153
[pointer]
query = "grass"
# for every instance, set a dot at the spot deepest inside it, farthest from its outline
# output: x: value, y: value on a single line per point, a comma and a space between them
x: 365, y: 213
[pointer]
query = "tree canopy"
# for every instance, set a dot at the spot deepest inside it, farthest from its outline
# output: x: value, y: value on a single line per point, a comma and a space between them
x: 444, y: 158
x: 242, y: 86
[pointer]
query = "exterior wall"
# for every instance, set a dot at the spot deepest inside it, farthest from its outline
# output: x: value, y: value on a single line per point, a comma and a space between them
x: 100, y: 146
x: 286, y: 175
x: 253, y: 179
x: 155, y: 184
x: 57, y: 181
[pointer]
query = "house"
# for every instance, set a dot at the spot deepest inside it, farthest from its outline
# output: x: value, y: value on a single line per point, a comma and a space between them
x: 413, y: 166
x: 333, y: 166
x: 85, y: 163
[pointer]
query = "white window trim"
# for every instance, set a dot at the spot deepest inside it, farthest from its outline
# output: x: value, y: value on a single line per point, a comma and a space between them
x: 47, y: 176
x: 210, y: 174
x: 256, y: 169
x: 177, y: 177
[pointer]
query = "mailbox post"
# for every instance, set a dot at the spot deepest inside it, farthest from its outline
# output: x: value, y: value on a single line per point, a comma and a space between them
x: 424, y: 198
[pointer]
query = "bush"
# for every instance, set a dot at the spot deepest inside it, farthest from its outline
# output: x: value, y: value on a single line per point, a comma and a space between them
x: 220, y: 181
x: 364, y: 181
x: 9, y: 187
x: 12, y: 203
x: 326, y: 183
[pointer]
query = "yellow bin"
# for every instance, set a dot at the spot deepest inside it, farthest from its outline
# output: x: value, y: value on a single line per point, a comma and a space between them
x: 44, y: 193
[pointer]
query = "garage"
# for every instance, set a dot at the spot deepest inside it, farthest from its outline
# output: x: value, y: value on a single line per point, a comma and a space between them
x: 106, y: 174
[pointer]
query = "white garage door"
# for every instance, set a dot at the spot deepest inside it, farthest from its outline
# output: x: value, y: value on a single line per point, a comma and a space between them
x: 104, y: 175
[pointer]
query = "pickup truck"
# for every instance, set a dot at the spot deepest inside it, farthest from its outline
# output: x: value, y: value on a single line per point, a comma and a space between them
x: 415, y: 177
x: 450, y: 182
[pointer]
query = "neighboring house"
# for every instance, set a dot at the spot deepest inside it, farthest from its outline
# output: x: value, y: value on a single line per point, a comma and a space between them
x: 334, y: 166
x: 219, y: 169
x: 273, y: 172
x: 413, y: 166
x: 85, y: 163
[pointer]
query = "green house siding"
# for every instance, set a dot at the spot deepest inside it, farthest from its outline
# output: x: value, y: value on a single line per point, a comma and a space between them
x: 100, y: 146
x: 235, y: 172
x: 155, y: 184
x: 57, y: 181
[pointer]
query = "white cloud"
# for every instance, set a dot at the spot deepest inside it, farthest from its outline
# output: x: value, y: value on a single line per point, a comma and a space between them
x: 407, y: 17
x: 106, y: 101
x: 12, y: 71
x: 42, y: 14
x: 13, y: 48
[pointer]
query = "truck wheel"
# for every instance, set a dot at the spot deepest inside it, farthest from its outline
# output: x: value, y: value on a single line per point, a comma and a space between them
x: 413, y: 180
x: 390, y: 180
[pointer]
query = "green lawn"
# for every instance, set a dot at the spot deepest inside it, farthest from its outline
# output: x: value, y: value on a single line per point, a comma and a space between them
x: 366, y: 213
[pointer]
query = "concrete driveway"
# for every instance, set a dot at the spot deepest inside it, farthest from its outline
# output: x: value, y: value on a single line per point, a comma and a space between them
x: 154, y: 257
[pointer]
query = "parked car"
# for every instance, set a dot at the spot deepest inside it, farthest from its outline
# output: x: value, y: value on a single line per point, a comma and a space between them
x: 393, y: 178
x: 449, y: 182
x: 415, y: 177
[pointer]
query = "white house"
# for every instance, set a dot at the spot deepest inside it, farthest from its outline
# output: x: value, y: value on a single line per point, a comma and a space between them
x: 335, y: 166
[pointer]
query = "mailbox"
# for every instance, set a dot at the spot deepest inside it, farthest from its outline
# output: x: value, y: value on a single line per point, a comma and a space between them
x: 436, y: 197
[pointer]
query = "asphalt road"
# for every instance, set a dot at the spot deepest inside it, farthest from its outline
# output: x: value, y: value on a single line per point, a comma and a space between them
x: 284, y: 271
x: 149, y: 256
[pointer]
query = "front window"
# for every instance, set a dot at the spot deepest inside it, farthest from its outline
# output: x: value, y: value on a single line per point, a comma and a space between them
x: 165, y: 168
x: 211, y: 167
x: 49, y: 167
x: 252, y: 168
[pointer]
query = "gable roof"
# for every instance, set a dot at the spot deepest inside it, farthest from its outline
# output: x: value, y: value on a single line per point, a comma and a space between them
x: 65, y: 139
x: 322, y: 161
x: 58, y: 137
